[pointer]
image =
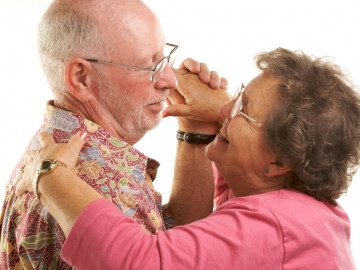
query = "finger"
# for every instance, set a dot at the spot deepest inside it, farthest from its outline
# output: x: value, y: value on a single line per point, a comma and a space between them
x: 28, y: 157
x: 214, y: 80
x: 20, y: 188
x: 180, y: 72
x: 77, y: 142
x: 224, y: 84
x: 25, y: 183
x: 45, y: 138
x: 175, y: 97
x: 204, y: 74
x: 191, y: 65
x: 177, y: 110
x: 168, y: 102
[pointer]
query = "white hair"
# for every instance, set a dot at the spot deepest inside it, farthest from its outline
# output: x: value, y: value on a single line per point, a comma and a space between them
x: 65, y: 32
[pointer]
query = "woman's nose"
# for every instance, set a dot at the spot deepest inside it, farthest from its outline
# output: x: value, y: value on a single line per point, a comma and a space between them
x: 225, y: 110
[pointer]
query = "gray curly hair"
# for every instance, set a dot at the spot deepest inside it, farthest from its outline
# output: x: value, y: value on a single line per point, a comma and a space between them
x: 315, y: 127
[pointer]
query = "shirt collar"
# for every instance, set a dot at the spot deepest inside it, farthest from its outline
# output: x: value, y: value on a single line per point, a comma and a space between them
x: 66, y: 121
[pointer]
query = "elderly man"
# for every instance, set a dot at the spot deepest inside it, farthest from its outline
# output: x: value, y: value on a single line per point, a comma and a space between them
x: 105, y: 65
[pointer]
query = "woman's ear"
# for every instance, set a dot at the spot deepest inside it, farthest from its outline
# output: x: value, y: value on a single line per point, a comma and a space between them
x: 77, y: 78
x: 276, y: 168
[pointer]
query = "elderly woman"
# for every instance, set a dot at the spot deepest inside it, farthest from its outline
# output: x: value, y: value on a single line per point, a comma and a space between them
x: 287, y: 150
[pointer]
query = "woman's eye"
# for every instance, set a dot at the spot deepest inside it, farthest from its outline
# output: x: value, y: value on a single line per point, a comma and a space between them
x: 243, y: 109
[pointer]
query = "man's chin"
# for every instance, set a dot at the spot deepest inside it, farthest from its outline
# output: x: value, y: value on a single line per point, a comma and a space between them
x: 138, y: 131
x: 151, y: 124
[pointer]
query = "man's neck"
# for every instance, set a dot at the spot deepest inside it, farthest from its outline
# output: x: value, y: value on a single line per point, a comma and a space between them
x: 103, y: 119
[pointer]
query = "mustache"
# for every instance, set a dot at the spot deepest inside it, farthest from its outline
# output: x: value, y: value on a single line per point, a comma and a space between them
x: 160, y: 99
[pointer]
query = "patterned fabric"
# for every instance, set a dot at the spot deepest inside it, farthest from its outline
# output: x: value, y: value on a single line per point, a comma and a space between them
x: 32, y: 239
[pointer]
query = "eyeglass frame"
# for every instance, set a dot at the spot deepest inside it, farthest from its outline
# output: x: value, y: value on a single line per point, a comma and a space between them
x: 152, y: 76
x: 234, y: 112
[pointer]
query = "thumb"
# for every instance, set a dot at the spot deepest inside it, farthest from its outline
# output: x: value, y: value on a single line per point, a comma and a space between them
x: 176, y: 110
x: 191, y: 65
x: 45, y: 138
x: 77, y: 141
x: 180, y: 75
x: 21, y: 188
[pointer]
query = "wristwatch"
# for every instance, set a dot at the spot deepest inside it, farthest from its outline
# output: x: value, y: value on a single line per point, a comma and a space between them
x: 194, y: 137
x: 45, y: 167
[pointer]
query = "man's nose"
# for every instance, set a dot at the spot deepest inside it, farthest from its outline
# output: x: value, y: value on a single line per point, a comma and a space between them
x: 167, y: 79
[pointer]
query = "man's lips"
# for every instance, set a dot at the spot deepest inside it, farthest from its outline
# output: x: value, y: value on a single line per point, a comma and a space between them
x: 156, y: 106
x: 161, y: 102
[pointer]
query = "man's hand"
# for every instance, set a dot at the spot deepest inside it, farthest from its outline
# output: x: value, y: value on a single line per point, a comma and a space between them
x: 206, y: 76
x: 198, y: 98
x: 65, y: 152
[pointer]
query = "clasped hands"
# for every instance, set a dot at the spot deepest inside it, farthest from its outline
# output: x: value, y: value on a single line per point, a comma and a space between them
x: 197, y: 99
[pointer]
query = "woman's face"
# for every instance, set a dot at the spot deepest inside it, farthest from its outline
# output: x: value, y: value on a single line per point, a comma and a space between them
x: 239, y: 149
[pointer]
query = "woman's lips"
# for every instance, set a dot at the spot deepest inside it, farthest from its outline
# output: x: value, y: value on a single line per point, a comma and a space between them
x: 223, y: 134
x: 223, y: 130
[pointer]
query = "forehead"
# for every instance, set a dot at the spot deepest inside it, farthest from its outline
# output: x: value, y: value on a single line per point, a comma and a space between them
x: 134, y: 29
x: 263, y: 85
x: 261, y: 94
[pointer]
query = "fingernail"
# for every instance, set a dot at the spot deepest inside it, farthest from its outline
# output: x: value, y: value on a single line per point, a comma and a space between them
x: 83, y: 135
x: 165, y: 115
x: 217, y: 85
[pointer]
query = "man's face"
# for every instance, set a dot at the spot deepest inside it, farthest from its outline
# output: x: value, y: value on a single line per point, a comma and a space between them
x: 127, y: 94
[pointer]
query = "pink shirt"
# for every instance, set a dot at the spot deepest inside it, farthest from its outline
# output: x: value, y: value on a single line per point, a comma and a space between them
x: 222, y: 191
x: 282, y: 229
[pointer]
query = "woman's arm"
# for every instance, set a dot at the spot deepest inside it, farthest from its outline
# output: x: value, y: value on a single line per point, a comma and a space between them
x: 62, y: 192
x: 100, y: 236
x: 65, y: 196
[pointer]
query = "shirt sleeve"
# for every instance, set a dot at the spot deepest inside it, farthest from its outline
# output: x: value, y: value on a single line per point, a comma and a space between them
x: 244, y: 237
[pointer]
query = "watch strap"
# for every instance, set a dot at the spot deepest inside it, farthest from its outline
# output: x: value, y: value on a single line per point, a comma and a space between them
x: 194, y: 137
x: 51, y: 165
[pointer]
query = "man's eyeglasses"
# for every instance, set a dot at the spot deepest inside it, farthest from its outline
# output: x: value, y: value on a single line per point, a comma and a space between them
x: 237, y: 108
x: 156, y: 71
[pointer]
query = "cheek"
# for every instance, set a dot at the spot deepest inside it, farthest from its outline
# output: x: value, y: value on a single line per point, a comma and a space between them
x: 240, y: 133
x: 247, y: 143
x: 136, y: 90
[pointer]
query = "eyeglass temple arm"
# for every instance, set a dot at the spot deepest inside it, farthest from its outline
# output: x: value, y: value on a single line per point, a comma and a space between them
x: 250, y: 119
x: 115, y: 64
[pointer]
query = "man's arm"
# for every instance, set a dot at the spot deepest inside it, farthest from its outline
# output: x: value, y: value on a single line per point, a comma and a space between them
x: 193, y: 185
x: 193, y: 188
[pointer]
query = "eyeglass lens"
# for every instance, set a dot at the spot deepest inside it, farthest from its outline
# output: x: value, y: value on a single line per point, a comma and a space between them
x: 237, y: 106
x: 160, y: 66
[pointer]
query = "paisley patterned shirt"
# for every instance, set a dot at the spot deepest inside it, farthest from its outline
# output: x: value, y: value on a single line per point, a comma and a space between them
x: 32, y: 239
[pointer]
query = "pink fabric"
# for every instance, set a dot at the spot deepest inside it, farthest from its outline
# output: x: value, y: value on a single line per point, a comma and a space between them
x: 276, y: 230
x: 222, y: 191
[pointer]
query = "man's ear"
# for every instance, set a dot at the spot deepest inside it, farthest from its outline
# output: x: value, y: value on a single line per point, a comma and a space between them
x: 78, y: 80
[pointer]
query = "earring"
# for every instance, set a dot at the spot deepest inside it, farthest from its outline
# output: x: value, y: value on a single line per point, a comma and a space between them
x: 267, y: 170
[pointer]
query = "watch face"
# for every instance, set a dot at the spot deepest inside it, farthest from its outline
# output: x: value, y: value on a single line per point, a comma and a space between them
x: 46, y: 165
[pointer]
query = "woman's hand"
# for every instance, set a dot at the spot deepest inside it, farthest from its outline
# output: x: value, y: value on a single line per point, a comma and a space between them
x: 198, y: 98
x: 65, y: 152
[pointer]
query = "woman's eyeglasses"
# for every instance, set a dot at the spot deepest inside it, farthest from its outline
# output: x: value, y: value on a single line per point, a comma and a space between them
x: 238, y: 106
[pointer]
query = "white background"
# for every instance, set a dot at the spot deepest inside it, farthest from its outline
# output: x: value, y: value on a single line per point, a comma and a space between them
x: 225, y: 34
